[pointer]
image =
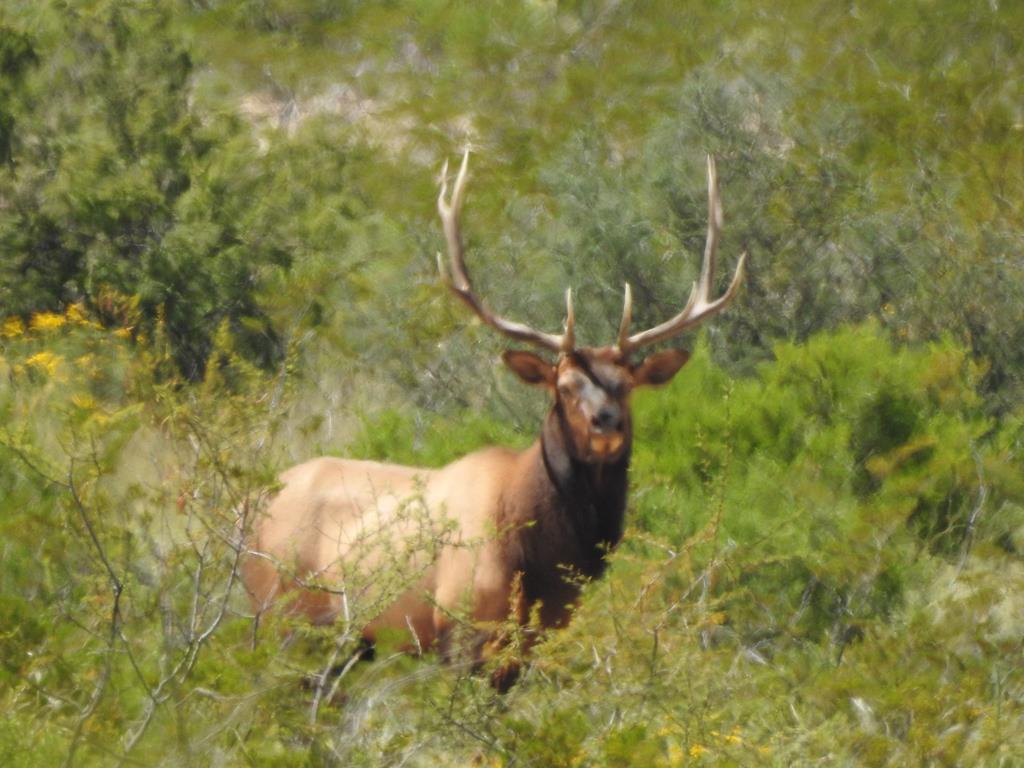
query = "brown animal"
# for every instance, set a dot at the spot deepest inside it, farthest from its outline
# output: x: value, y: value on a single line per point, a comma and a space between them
x: 498, y: 532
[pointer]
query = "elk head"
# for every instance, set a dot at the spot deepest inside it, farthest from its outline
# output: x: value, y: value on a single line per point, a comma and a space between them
x: 591, y: 385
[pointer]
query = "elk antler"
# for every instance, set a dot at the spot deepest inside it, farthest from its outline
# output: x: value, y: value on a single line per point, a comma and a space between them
x: 459, y: 279
x: 699, y: 306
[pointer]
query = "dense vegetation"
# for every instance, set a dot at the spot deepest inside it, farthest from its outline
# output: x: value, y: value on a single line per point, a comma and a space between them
x: 217, y: 240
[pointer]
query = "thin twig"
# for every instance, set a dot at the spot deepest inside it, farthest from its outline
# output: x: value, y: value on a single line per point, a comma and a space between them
x: 117, y: 588
x: 972, y: 520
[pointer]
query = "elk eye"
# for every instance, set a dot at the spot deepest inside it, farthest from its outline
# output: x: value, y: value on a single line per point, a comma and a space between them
x: 568, y: 387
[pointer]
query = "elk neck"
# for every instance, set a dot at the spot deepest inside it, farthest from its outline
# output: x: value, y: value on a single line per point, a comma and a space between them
x: 588, y: 500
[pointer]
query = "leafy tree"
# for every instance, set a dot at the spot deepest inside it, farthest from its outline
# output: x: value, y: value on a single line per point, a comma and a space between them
x: 107, y: 162
x: 16, y: 56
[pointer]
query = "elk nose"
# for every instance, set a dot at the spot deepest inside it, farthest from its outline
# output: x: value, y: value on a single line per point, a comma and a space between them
x: 607, y: 419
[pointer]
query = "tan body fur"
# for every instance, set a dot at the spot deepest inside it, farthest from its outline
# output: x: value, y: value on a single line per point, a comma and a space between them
x: 447, y: 532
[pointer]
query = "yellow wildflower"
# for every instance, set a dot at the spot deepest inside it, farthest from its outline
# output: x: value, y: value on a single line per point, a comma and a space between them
x: 12, y: 327
x: 123, y: 333
x: 675, y: 754
x: 732, y: 737
x: 83, y: 401
x: 46, y: 361
x: 75, y: 313
x: 697, y: 750
x: 47, y: 321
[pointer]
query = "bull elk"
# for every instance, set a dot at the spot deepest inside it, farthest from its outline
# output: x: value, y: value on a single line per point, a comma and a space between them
x: 499, y: 532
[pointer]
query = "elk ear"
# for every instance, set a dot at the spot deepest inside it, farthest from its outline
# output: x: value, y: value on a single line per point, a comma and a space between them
x: 529, y: 367
x: 660, y: 367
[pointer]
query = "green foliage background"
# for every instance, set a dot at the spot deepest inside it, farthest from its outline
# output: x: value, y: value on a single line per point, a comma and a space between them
x: 217, y: 257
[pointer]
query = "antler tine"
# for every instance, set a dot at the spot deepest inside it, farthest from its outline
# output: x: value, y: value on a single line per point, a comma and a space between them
x: 569, y: 337
x: 699, y: 306
x: 627, y: 318
x: 707, y: 269
x: 459, y: 282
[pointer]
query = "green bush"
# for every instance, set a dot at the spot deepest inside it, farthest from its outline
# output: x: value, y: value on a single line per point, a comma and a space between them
x: 217, y: 257
x: 800, y: 576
